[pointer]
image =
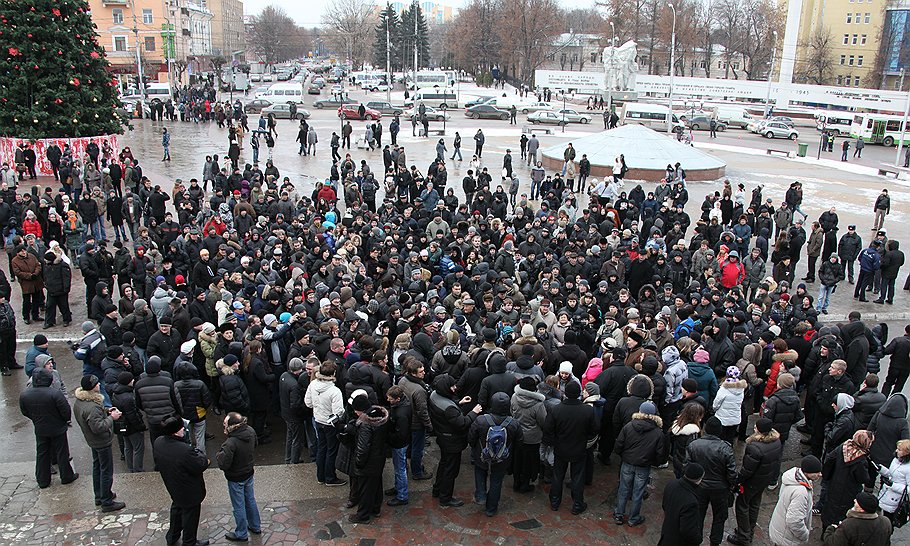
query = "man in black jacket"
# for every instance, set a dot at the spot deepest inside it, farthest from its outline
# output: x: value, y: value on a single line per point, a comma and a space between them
x: 155, y: 396
x: 492, y: 461
x: 368, y: 458
x: 760, y: 468
x: 891, y: 264
x: 833, y: 383
x: 399, y: 437
x: 681, y: 513
x: 899, y: 369
x: 58, y: 279
x: 193, y: 395
x: 49, y: 412
x: 451, y: 425
x: 568, y: 428
x: 181, y: 467
x: 235, y: 459
x: 613, y: 382
x: 290, y: 396
x: 640, y: 445
x: 165, y: 343
x: 716, y: 457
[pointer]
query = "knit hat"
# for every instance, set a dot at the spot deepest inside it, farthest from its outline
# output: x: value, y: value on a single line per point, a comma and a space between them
x: 786, y: 381
x: 591, y: 389
x: 868, y: 502
x: 573, y: 390
x: 528, y: 383
x: 810, y: 465
x: 732, y: 374
x: 713, y: 426
x: 208, y: 328
x: 165, y: 321
x: 763, y: 425
x: 527, y: 330
x: 41, y: 360
x: 565, y: 367
x: 774, y: 329
x: 230, y: 360
x: 694, y: 471
x: 140, y: 304
x: 40, y: 339
x: 171, y: 424
x: 690, y: 385
x: 844, y: 402
x: 125, y: 377
x: 648, y: 408
x: 187, y: 346
x: 701, y: 356
x: 269, y: 319
x: 114, y: 351
x: 88, y: 382
x: 361, y: 403
x: 87, y: 326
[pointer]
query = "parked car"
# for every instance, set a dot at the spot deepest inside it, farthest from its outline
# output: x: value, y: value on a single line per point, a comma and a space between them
x: 385, y: 108
x: 266, y: 77
x: 779, y: 129
x: 336, y: 89
x: 256, y: 105
x: 333, y: 102
x: 352, y: 111
x: 313, y: 89
x: 546, y: 117
x: 485, y: 111
x: 373, y: 87
x: 283, y: 111
x: 255, y: 77
x: 478, y: 100
x: 571, y: 116
x: 319, y: 80
x: 433, y: 114
x: 783, y: 119
x: 535, y: 107
x: 703, y: 123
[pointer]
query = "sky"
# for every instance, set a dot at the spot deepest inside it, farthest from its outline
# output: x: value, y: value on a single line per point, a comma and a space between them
x: 312, y: 15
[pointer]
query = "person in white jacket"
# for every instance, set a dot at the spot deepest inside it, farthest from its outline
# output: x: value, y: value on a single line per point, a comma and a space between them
x: 728, y: 403
x: 327, y: 403
x: 791, y: 521
x: 897, y: 480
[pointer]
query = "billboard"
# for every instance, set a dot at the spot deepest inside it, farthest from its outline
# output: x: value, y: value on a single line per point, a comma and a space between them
x: 582, y: 82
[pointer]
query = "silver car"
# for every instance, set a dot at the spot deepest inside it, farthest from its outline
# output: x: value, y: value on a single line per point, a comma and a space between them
x: 571, y: 116
x: 779, y: 129
x: 283, y: 111
x: 535, y: 107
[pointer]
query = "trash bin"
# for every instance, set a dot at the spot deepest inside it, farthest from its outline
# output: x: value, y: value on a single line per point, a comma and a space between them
x: 803, y: 148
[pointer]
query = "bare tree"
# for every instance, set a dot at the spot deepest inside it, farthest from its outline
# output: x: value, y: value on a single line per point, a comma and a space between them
x: 528, y: 28
x: 730, y: 31
x: 474, y: 39
x: 762, y: 19
x: 818, y: 63
x: 350, y: 25
x: 275, y: 36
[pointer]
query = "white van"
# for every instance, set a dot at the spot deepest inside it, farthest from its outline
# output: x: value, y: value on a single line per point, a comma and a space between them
x: 283, y: 93
x: 839, y: 121
x: 736, y: 116
x: 505, y: 103
x: 653, y: 116
x: 160, y: 91
x: 437, y: 98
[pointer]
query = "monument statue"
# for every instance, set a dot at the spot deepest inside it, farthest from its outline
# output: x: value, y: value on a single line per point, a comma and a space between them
x: 620, y: 66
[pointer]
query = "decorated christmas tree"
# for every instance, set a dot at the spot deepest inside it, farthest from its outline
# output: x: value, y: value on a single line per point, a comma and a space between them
x: 54, y: 79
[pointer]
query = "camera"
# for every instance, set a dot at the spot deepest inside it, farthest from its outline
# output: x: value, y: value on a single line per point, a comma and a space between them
x: 337, y: 420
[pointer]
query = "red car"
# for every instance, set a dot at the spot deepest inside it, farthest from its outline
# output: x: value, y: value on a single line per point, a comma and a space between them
x: 352, y: 111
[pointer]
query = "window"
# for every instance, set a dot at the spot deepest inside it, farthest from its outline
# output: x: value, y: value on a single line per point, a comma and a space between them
x: 150, y: 43
x: 849, y: 18
x: 593, y: 57
x: 859, y: 60
x: 701, y: 65
x: 855, y: 37
x: 867, y: 18
x: 840, y: 80
x: 850, y: 62
x: 843, y: 60
x: 117, y: 13
x: 892, y: 125
x: 846, y: 39
x: 856, y: 81
x: 147, y: 16
x: 863, y: 39
x: 735, y: 66
x: 120, y: 43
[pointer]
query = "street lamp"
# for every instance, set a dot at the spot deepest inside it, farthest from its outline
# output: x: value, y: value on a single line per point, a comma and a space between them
x: 612, y: 53
x: 672, y: 64
x: 900, y: 143
x: 770, y: 73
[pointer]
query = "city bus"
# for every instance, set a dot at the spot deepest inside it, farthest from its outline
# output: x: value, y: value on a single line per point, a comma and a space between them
x: 834, y: 121
x: 878, y: 129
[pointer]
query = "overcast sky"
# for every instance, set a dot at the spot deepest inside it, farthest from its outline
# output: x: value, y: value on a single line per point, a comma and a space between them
x: 312, y: 15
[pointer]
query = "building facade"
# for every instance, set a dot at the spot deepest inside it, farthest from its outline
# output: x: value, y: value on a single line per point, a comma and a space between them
x: 434, y: 12
x: 227, y: 28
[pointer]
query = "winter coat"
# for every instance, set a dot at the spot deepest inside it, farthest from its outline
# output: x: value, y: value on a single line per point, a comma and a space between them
x: 324, y: 398
x: 728, y: 403
x: 123, y: 398
x: 682, y: 523
x: 761, y: 461
x: 780, y: 362
x: 829, y: 274
x: 235, y: 458
x: 791, y: 521
x: 675, y: 373
x: 96, y: 424
x: 845, y: 481
x: 783, y: 409
x: 613, y: 383
x: 529, y: 410
x: 706, y: 379
x: 679, y: 440
x: 193, y: 396
x: 499, y: 380
x: 143, y: 324
x: 568, y: 428
x: 641, y: 442
x: 165, y: 346
x: 45, y: 405
x: 898, y: 472
x: 477, y: 434
x: 291, y: 397
x: 867, y: 402
x: 716, y: 456
x: 58, y: 277
x: 525, y: 367
x: 369, y: 449
x: 258, y: 382
x: 868, y: 529
x: 640, y: 389
x: 181, y: 467
x: 234, y: 396
x: 399, y: 428
x: 418, y: 394
x: 449, y: 421
x: 155, y: 397
x: 28, y: 272
x: 889, y: 426
x: 840, y: 429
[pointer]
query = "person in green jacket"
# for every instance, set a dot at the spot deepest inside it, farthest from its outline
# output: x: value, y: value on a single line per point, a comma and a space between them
x: 97, y: 424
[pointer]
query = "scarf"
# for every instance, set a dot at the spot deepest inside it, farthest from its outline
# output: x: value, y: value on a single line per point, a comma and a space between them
x: 857, y: 446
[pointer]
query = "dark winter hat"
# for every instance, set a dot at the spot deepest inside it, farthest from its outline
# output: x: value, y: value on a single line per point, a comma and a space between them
x: 690, y: 385
x: 713, y: 426
x: 361, y: 403
x: 810, y: 465
x: 573, y: 390
x: 125, y: 377
x: 109, y: 308
x: 648, y: 408
x: 868, y: 502
x: 114, y: 351
x: 230, y: 360
x: 40, y: 339
x: 164, y: 321
x: 171, y: 424
x: 694, y: 472
x: 489, y: 334
x: 88, y: 382
x: 763, y: 425
x: 528, y: 383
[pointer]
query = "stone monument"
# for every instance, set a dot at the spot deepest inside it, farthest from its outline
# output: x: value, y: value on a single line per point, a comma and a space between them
x: 620, y: 67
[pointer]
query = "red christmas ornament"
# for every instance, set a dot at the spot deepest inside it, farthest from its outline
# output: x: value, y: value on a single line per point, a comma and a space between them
x: 56, y: 12
x: 75, y: 82
x: 58, y: 101
x: 36, y: 67
x: 94, y: 55
x: 29, y: 34
x: 33, y: 8
x: 13, y: 51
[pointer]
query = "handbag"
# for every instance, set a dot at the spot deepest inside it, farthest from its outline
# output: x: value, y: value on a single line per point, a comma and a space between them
x: 902, y: 513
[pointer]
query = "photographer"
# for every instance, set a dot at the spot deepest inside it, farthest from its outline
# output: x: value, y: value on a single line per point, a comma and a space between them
x: 97, y: 424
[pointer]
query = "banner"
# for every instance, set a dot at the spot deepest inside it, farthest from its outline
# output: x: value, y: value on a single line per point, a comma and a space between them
x: 77, y: 145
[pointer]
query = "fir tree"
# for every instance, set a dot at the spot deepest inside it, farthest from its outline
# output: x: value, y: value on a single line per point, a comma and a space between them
x: 390, y: 18
x: 55, y: 80
x: 407, y: 37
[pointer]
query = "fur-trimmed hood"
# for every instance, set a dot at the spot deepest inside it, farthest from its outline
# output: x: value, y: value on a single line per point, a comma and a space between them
x: 764, y: 438
x: 688, y: 429
x: 89, y: 396
x: 738, y: 384
x: 640, y: 385
x: 376, y: 416
x: 787, y: 356
x: 648, y: 417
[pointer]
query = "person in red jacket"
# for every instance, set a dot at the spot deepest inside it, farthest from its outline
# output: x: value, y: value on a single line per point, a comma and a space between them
x: 732, y: 271
x: 30, y: 225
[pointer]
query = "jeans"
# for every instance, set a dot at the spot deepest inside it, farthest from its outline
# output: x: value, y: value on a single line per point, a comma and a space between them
x: 717, y: 499
x: 824, y: 297
x: 119, y: 232
x: 400, y: 465
x: 292, y: 445
x: 197, y: 435
x: 489, y: 494
x: 142, y: 355
x: 457, y: 152
x: 103, y: 475
x: 418, y: 444
x: 633, y: 481
x: 134, y: 451
x: 535, y: 189
x: 255, y: 155
x: 311, y: 149
x: 246, y: 512
x: 167, y: 153
x: 102, y: 232
x: 577, y: 481
x: 326, y: 451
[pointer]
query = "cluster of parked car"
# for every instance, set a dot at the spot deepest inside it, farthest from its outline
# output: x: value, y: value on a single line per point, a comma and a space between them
x: 774, y: 127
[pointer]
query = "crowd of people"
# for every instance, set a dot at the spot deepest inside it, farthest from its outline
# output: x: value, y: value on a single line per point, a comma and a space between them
x: 552, y: 336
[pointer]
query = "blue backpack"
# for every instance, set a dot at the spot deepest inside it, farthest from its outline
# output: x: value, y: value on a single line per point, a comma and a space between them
x: 496, y: 448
